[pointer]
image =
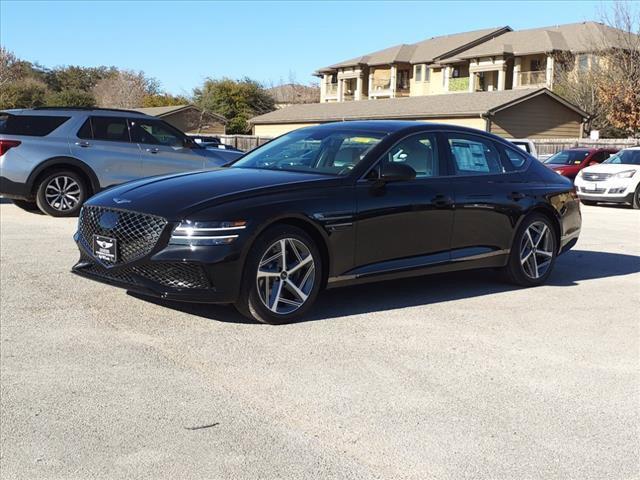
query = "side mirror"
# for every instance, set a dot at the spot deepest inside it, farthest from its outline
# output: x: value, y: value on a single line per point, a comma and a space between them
x: 397, y: 172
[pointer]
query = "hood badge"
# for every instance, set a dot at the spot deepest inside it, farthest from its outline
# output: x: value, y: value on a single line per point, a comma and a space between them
x: 119, y: 200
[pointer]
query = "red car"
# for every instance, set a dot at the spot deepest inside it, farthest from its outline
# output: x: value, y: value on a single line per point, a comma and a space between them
x: 570, y: 162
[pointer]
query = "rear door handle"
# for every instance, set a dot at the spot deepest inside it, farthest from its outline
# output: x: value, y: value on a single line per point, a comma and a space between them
x: 516, y: 196
x: 152, y: 150
x: 441, y: 201
x: 83, y: 144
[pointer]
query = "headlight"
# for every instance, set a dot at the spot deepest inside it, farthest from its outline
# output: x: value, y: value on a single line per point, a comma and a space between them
x: 206, y: 233
x: 625, y: 174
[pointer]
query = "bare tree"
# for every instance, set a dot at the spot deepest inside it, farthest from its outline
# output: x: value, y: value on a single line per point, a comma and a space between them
x: 8, y: 66
x: 619, y: 85
x: 124, y: 89
x: 609, y: 87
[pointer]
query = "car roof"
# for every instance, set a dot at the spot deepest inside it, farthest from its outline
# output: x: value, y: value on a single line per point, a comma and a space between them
x: 70, y: 111
x: 394, y: 126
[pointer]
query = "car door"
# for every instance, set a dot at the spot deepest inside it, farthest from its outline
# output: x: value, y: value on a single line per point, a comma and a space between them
x: 164, y: 149
x: 404, y: 224
x: 490, y: 194
x: 104, y: 143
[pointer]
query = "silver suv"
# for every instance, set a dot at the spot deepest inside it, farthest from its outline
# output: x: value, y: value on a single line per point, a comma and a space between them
x: 53, y: 159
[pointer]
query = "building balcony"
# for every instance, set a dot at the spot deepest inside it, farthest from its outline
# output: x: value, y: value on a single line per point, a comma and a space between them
x: 331, y: 90
x: 533, y: 78
x: 459, y: 84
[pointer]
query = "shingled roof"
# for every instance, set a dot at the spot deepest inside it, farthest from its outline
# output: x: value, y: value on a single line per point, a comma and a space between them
x: 573, y: 37
x: 430, y: 106
x: 426, y: 51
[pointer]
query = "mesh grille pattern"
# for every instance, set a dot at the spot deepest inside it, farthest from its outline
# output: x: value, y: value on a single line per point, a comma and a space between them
x: 174, y: 275
x: 168, y: 274
x: 593, y: 177
x: 136, y: 233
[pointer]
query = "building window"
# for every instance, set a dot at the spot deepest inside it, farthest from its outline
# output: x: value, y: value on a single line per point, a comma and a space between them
x: 583, y: 62
x: 536, y: 65
x: 403, y: 79
x: 455, y: 72
x: 418, y: 74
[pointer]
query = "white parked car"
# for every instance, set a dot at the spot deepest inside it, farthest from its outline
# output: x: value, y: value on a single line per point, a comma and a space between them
x: 617, y: 179
x: 526, y: 145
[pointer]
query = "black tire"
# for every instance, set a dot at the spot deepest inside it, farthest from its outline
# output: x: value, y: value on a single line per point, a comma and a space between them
x: 250, y: 303
x: 516, y: 271
x: 26, y: 205
x: 635, y: 203
x: 589, y: 202
x: 59, y: 178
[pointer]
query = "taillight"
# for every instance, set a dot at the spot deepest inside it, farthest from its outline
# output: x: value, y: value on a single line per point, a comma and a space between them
x: 5, y: 145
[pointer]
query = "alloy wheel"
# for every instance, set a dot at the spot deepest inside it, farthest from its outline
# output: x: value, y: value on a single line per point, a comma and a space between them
x: 62, y: 193
x: 536, y: 250
x: 285, y: 276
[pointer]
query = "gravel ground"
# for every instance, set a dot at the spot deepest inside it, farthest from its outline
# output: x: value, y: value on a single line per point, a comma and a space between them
x: 451, y: 376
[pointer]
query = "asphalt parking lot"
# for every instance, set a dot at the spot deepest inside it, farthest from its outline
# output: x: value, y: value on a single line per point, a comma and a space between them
x: 452, y: 376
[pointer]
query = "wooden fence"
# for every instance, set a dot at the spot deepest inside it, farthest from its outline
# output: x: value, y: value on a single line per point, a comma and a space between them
x: 545, y: 146
x: 549, y: 146
x: 243, y: 142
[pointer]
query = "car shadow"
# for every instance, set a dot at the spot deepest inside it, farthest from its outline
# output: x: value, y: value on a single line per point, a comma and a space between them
x: 571, y: 268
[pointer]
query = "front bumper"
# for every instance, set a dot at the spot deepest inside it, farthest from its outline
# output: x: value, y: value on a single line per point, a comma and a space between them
x: 200, y: 274
x: 607, y: 198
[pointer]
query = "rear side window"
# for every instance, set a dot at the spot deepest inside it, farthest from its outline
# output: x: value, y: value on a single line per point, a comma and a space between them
x: 29, y: 125
x: 474, y: 155
x: 516, y: 159
x: 114, y: 129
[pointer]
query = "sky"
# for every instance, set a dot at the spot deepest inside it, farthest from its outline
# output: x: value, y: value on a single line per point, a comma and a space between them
x: 182, y: 43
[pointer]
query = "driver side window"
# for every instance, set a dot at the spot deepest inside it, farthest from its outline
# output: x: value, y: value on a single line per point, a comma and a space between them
x: 154, y: 132
x: 419, y: 151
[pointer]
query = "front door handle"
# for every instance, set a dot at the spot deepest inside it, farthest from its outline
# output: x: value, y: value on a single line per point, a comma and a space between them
x: 83, y: 144
x: 516, y: 196
x: 152, y: 150
x: 442, y: 201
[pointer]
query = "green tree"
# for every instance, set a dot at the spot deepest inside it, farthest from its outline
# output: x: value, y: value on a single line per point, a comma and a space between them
x: 27, y: 93
x: 70, y: 98
x: 163, y: 100
x: 236, y: 100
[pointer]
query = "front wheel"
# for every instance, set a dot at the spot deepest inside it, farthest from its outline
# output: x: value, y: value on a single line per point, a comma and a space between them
x: 282, y: 276
x: 61, y: 193
x: 635, y: 203
x: 533, y: 252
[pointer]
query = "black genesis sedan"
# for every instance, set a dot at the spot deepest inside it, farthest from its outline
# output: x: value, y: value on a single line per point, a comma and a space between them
x: 327, y: 206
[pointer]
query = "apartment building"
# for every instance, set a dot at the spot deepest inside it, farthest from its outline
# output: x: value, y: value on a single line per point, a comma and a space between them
x: 493, y: 59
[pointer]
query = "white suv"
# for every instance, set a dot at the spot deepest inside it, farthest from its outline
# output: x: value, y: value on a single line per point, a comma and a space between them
x: 617, y: 180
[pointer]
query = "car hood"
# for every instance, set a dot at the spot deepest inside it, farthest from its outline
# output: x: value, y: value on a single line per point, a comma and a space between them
x: 176, y: 196
x: 611, y: 168
x: 218, y: 158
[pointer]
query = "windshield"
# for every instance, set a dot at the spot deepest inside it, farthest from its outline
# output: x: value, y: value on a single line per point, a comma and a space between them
x: 316, y: 150
x: 627, y: 157
x: 568, y: 157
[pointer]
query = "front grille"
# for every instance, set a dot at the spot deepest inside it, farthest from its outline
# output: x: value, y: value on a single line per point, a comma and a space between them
x: 169, y: 274
x: 595, y: 177
x: 174, y: 275
x: 136, y: 233
x: 597, y: 190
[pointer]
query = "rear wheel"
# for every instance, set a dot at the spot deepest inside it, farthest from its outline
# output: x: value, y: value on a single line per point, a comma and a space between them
x: 61, y: 193
x: 26, y: 205
x: 282, y: 276
x: 533, y: 252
